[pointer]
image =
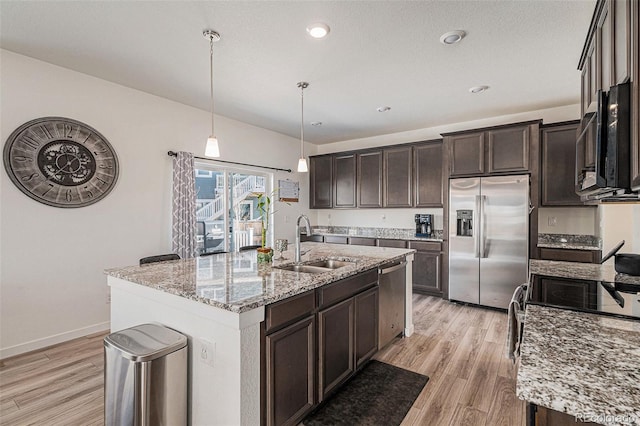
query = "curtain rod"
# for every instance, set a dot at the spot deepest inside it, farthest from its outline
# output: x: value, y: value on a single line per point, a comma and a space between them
x: 173, y: 154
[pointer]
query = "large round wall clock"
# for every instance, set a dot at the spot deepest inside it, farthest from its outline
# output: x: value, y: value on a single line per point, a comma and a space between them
x: 61, y: 162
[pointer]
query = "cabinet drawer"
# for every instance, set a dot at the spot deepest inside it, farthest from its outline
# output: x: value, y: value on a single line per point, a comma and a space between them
x: 315, y: 238
x: 392, y: 243
x: 348, y: 287
x: 289, y: 310
x: 425, y: 245
x: 335, y: 239
x: 569, y: 255
x: 360, y: 241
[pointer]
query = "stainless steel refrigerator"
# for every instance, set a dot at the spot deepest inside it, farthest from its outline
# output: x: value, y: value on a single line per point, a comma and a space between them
x: 488, y: 238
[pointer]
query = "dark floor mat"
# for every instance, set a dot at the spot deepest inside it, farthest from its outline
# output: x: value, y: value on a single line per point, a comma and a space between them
x: 380, y: 394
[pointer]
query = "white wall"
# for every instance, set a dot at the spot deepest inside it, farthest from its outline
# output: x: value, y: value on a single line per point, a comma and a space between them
x: 403, y: 218
x: 620, y: 222
x: 568, y: 220
x: 52, y: 287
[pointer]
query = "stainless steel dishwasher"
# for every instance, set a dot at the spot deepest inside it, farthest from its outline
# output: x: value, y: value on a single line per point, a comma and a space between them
x: 391, y: 279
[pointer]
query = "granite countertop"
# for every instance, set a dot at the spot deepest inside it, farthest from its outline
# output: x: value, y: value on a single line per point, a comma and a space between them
x: 389, y: 237
x: 580, y: 271
x: 569, y: 241
x: 408, y: 234
x: 581, y: 364
x: 234, y: 282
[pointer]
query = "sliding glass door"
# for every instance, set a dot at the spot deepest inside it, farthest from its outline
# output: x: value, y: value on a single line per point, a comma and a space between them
x: 226, y: 208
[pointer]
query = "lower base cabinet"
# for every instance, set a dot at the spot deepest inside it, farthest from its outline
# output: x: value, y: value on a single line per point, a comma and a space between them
x: 291, y: 366
x: 314, y: 342
x: 427, y: 266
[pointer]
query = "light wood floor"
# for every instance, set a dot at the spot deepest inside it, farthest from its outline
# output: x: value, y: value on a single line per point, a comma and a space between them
x: 460, y: 348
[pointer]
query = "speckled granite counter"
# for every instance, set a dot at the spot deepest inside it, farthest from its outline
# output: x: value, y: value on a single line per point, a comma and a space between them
x: 581, y: 364
x: 580, y: 271
x: 382, y: 233
x: 233, y: 281
x: 569, y: 241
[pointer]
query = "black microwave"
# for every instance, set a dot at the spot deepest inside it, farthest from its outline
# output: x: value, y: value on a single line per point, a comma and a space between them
x: 603, y: 145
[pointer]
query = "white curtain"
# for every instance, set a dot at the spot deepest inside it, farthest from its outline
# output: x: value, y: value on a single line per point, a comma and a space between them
x: 184, y: 206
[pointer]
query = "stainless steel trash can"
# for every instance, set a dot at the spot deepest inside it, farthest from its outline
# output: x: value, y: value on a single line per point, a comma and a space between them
x: 145, y: 377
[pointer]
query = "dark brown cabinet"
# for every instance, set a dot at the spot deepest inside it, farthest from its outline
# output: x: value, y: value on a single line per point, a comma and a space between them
x: 321, y: 182
x: 366, y: 326
x: 336, y: 346
x: 335, y: 239
x: 362, y: 241
x: 397, y: 179
x: 427, y: 266
x: 344, y: 181
x: 566, y: 292
x: 497, y: 150
x: 558, y: 148
x: 392, y: 243
x: 427, y: 166
x: 290, y: 359
x: 370, y: 179
x: 570, y: 255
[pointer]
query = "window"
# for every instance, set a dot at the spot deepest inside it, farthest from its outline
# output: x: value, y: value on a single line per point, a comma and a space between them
x: 227, y: 199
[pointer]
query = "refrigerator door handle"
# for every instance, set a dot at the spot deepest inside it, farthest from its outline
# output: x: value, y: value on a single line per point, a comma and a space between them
x: 483, y: 233
x: 476, y: 228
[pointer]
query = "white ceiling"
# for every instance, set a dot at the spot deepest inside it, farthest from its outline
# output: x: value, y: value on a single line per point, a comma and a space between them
x: 377, y: 53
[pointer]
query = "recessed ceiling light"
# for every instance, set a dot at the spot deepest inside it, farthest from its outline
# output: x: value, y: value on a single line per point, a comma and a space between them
x: 383, y: 108
x: 479, y: 89
x: 316, y: 123
x: 318, y: 30
x: 452, y: 37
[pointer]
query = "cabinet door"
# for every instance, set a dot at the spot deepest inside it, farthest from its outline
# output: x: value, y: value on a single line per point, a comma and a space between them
x: 366, y: 325
x: 559, y: 166
x: 466, y: 153
x: 362, y: 241
x: 344, y: 180
x: 508, y: 149
x: 397, y: 177
x: 336, y: 351
x: 370, y: 179
x: 290, y: 376
x: 392, y: 243
x: 426, y: 272
x: 320, y: 182
x: 427, y: 160
x: 605, y: 41
x: 621, y: 18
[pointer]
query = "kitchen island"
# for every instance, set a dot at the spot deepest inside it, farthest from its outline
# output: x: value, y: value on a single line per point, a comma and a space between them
x: 219, y: 303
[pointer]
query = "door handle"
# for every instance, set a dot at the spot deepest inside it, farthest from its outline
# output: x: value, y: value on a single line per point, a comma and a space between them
x: 391, y: 268
x: 483, y: 236
x: 475, y: 228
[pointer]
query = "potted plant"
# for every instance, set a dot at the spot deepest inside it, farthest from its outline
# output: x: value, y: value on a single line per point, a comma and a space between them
x: 265, y: 254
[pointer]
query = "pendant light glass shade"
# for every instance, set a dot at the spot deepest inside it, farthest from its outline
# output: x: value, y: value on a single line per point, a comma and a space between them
x: 302, y: 162
x: 302, y: 165
x: 211, y: 149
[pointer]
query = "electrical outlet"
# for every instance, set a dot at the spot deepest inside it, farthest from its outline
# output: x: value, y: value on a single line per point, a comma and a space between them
x: 207, y: 351
x: 286, y: 218
x: 108, y: 298
x: 552, y: 220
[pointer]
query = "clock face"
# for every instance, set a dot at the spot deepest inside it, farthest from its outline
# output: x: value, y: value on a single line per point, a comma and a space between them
x: 61, y: 162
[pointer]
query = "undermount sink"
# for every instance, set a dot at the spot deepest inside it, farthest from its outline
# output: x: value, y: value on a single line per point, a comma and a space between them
x: 331, y: 263
x: 317, y: 267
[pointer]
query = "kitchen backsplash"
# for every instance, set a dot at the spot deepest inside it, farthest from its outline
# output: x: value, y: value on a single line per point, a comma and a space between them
x: 395, y: 233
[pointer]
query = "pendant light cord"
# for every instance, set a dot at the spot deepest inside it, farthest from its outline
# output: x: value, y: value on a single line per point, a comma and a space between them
x: 302, y: 122
x: 211, y: 75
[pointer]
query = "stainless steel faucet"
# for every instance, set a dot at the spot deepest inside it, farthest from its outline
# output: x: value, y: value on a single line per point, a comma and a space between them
x: 308, y: 225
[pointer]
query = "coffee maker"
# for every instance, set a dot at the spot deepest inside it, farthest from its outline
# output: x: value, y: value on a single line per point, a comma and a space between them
x: 424, y: 225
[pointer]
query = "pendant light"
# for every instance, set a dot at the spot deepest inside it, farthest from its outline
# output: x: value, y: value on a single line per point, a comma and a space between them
x: 302, y: 162
x: 212, y: 149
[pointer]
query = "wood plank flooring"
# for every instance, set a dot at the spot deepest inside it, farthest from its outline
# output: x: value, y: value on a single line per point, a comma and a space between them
x: 460, y: 348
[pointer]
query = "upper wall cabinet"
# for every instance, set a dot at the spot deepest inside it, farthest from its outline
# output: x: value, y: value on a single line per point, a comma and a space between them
x: 408, y: 175
x: 497, y: 150
x: 344, y: 180
x: 370, y: 179
x: 558, y: 149
x: 397, y: 178
x: 321, y: 182
x: 427, y: 171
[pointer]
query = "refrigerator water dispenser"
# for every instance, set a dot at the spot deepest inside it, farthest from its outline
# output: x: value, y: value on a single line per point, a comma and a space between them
x: 464, y: 223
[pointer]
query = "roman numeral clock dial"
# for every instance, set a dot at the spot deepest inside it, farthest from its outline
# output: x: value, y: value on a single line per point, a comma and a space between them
x: 61, y: 162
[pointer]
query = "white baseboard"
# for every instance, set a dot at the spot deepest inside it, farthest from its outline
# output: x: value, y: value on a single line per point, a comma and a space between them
x: 53, y: 340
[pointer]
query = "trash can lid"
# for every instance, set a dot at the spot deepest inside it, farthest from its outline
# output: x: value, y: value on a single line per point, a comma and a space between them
x: 146, y: 342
